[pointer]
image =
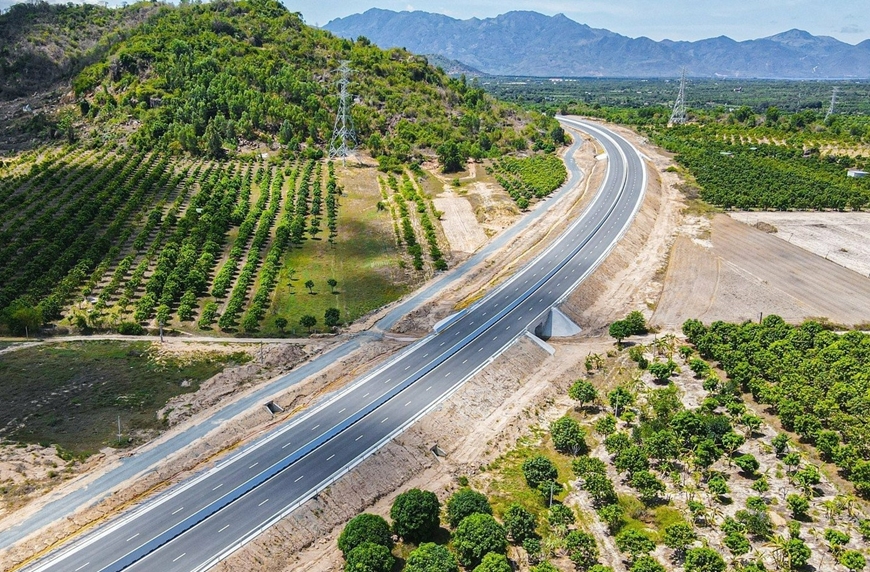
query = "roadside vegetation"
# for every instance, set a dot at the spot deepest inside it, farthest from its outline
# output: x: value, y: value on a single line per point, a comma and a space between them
x: 72, y: 395
x: 658, y: 464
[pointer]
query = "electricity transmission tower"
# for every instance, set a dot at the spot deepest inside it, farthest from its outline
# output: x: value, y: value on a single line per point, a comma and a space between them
x: 678, y: 115
x: 833, y: 103
x: 343, y: 133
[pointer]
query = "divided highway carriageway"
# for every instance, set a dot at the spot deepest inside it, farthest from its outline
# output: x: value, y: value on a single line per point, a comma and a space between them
x: 194, y: 525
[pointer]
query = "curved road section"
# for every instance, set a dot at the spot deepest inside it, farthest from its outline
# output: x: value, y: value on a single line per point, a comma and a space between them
x: 195, y: 525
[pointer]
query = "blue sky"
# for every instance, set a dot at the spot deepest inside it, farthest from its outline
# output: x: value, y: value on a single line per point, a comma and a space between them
x: 846, y: 20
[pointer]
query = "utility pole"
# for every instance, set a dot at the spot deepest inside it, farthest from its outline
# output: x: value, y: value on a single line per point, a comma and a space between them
x: 119, y: 430
x: 833, y: 103
x: 678, y: 115
x: 343, y: 133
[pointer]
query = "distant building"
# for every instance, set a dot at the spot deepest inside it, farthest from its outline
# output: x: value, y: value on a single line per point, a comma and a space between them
x: 857, y: 173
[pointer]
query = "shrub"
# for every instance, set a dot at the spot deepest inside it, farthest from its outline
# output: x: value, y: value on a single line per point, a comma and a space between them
x: 463, y: 503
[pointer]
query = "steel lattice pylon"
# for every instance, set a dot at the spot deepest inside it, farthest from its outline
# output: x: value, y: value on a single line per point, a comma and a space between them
x: 678, y: 115
x: 343, y: 133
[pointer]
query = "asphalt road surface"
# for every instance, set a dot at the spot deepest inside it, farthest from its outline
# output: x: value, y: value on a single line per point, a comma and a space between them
x: 203, y: 520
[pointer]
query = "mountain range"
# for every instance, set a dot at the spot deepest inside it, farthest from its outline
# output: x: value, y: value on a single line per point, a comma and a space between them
x: 523, y: 43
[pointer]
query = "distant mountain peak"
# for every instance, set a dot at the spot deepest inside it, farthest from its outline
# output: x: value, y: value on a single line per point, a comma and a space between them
x: 528, y: 43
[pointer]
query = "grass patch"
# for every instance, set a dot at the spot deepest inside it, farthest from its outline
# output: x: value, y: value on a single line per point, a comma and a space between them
x: 364, y: 261
x: 71, y: 394
x: 649, y: 520
x: 509, y: 485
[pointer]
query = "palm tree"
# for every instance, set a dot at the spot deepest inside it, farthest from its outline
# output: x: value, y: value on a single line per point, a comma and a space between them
x: 779, y: 551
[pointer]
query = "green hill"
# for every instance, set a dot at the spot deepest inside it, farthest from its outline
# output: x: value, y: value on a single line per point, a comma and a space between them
x: 168, y: 168
x: 213, y: 78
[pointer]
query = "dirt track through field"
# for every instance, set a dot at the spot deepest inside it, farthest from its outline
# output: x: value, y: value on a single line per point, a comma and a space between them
x: 747, y: 272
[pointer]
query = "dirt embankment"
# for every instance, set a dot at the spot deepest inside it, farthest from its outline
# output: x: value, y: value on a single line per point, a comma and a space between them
x: 630, y: 277
x: 841, y: 237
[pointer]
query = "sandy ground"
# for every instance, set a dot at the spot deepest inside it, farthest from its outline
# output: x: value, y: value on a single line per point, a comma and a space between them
x: 841, y: 237
x: 461, y: 227
x: 742, y: 272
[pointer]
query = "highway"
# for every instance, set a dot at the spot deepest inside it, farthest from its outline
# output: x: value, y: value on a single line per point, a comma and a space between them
x: 201, y: 521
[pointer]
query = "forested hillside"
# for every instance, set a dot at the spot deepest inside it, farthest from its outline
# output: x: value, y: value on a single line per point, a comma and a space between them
x: 213, y: 78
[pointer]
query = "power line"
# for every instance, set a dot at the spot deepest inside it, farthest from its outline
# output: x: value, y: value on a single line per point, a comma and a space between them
x: 343, y: 133
x: 678, y: 115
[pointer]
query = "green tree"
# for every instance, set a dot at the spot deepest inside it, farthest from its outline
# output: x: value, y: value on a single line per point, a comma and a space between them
x: 678, y: 537
x: 600, y: 488
x: 308, y: 321
x: 605, y: 425
x: 24, y: 318
x: 634, y: 543
x: 662, y: 445
x: 310, y: 285
x: 450, y: 156
x: 519, y: 523
x: 619, y: 330
x: 780, y: 444
x: 582, y: 549
x: 332, y: 283
x: 583, y: 392
x: 747, y: 463
x: 369, y: 557
x: 431, y: 557
x: 362, y: 528
x: 718, y: 486
x: 647, y: 485
x: 737, y: 543
x: 636, y: 323
x: 539, y: 471
x: 568, y: 436
x: 493, y: 562
x: 704, y: 560
x: 837, y: 539
x: 631, y: 460
x: 331, y: 317
x: 560, y: 515
x: 281, y: 323
x: 466, y: 502
x: 415, y: 515
x: 476, y: 536
x: 619, y: 399
x: 613, y: 516
x: 662, y: 371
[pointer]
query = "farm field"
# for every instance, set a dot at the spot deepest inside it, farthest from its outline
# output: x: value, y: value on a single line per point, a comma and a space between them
x: 95, y: 241
x: 841, y: 237
x: 741, y: 272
